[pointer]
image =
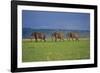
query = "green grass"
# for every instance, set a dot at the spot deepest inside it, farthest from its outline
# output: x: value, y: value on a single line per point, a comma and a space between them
x: 50, y: 50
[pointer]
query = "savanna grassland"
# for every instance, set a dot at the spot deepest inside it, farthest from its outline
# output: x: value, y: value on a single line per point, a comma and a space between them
x: 50, y: 50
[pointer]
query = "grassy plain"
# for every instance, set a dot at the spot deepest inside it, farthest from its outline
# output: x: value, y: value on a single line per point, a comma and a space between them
x: 50, y: 50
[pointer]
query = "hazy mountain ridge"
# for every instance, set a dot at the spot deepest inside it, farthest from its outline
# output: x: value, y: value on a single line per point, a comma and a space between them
x: 26, y: 32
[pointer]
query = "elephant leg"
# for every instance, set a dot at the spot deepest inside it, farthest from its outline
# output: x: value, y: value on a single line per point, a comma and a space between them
x: 72, y: 38
x: 36, y: 40
x: 52, y: 38
x: 41, y: 39
x: 77, y: 39
x: 55, y: 39
x: 44, y: 40
x: 31, y: 39
x: 63, y: 39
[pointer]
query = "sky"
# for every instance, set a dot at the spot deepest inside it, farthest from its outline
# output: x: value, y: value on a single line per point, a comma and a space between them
x: 55, y: 20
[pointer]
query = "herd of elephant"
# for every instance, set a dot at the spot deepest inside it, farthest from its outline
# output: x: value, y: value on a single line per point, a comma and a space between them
x: 55, y: 36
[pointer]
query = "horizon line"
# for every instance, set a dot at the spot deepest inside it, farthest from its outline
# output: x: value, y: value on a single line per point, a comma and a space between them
x: 55, y: 29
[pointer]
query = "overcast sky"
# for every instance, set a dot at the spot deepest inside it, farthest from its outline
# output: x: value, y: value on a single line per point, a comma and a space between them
x: 55, y: 20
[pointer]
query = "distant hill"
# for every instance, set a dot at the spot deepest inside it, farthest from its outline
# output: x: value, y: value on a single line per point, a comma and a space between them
x: 26, y: 32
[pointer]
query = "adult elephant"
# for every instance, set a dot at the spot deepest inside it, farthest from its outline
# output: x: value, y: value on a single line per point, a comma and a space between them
x: 72, y: 36
x: 38, y: 35
x: 57, y: 35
